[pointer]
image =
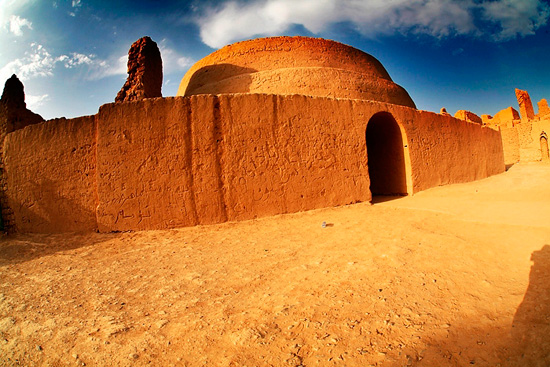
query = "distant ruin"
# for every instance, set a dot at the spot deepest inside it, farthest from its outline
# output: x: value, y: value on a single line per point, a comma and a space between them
x: 260, y: 127
x: 524, y: 134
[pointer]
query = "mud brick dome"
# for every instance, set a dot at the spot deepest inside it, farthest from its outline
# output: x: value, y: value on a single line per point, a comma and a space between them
x: 294, y: 65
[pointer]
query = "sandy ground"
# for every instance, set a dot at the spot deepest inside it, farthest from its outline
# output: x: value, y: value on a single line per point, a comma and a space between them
x: 453, y: 276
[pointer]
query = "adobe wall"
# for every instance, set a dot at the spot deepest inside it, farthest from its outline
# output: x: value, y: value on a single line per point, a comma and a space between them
x: 173, y: 162
x: 182, y: 161
x: 529, y: 137
x: 522, y: 141
x: 510, y: 145
x: 50, y: 176
x: 445, y: 150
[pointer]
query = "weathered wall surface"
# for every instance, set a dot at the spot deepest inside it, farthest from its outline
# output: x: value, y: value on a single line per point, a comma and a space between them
x: 529, y: 139
x: 287, y: 154
x: 443, y: 149
x: 143, y: 178
x: 175, y: 162
x: 50, y: 176
x: 510, y: 145
x: 182, y: 161
x: 522, y: 141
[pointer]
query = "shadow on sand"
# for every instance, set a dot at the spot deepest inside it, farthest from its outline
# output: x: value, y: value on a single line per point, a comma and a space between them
x: 526, y: 343
x: 531, y: 326
x: 20, y: 248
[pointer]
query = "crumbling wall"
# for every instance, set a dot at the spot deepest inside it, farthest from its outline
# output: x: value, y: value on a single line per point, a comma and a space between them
x: 183, y: 161
x: 50, y: 173
x: 529, y: 134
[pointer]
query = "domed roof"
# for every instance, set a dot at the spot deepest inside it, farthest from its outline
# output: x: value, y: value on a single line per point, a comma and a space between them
x: 293, y: 65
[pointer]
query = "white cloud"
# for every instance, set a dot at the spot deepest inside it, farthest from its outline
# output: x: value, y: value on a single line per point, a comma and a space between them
x: 77, y: 3
x: 34, y: 102
x: 38, y: 62
x: 516, y: 18
x: 76, y: 59
x: 173, y: 61
x: 235, y: 20
x: 9, y: 9
x: 16, y: 24
x: 99, y: 69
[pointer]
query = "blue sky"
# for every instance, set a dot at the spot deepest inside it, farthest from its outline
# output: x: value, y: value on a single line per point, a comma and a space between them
x: 458, y: 54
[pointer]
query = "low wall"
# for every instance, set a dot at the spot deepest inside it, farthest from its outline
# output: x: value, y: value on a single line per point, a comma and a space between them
x: 183, y: 161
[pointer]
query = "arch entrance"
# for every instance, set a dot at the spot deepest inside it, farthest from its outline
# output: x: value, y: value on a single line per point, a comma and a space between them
x: 386, y: 156
x: 545, y: 154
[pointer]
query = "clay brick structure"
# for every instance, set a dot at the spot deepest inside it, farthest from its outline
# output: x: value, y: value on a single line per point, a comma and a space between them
x: 544, y: 110
x: 261, y: 127
x: 144, y: 72
x: 14, y: 115
x: 506, y: 117
x: 525, y: 106
x: 524, y: 140
x: 468, y: 116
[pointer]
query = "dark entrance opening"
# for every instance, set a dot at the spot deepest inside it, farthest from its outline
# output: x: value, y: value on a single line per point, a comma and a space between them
x: 386, y: 156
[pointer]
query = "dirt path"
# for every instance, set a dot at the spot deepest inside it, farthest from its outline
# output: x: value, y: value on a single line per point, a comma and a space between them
x: 441, y: 278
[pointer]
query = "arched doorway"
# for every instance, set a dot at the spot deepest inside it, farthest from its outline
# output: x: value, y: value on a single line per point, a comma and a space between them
x: 386, y: 156
x: 544, y: 146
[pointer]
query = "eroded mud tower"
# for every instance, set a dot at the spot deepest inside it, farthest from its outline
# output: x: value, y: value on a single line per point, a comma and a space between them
x: 144, y: 72
x: 14, y: 115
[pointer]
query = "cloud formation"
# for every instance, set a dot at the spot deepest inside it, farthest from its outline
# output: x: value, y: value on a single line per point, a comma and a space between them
x: 34, y: 102
x: 172, y: 60
x: 11, y: 22
x: 16, y: 24
x: 498, y: 20
x: 39, y: 62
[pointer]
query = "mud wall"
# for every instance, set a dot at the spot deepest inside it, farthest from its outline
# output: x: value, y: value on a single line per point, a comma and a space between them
x: 510, y: 145
x: 522, y: 141
x: 441, y: 149
x: 182, y: 161
x: 445, y: 150
x: 529, y: 139
x: 173, y: 162
x: 50, y: 176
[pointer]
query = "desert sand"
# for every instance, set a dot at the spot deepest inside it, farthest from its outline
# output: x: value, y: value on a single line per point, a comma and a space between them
x: 452, y: 276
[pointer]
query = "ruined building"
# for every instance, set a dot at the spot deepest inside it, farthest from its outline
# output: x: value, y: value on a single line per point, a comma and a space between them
x: 260, y: 127
x: 524, y: 134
